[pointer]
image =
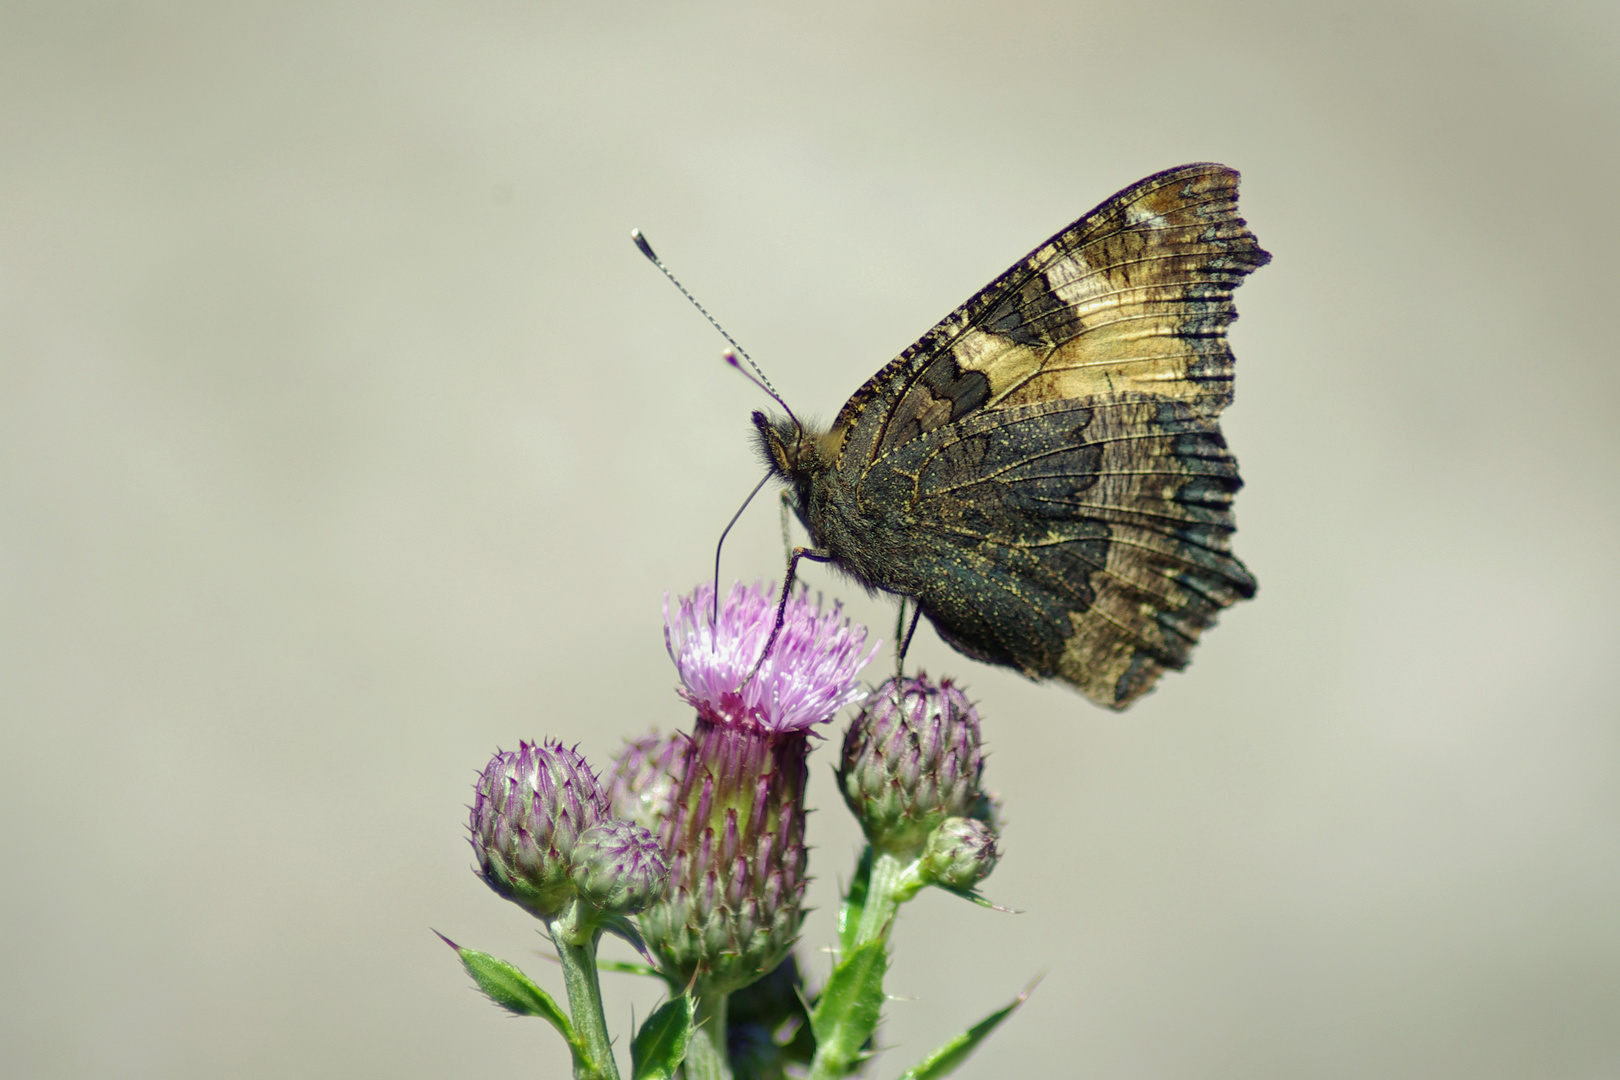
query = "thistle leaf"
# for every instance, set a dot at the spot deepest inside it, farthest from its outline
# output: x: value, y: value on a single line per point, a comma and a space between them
x: 625, y: 930
x: 660, y: 1045
x: 515, y: 992
x: 953, y: 1052
x: 976, y: 897
x: 848, y: 1010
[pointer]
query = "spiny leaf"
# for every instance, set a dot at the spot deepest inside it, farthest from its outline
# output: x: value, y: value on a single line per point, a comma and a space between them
x: 622, y: 928
x: 978, y: 898
x: 849, y: 1008
x: 660, y: 1046
x: 514, y: 991
x: 956, y: 1050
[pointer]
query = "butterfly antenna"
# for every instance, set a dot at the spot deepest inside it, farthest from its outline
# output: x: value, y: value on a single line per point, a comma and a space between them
x: 731, y: 358
x: 736, y: 350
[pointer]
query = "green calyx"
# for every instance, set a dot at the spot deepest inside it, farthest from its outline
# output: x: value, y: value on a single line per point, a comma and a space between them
x: 735, y: 841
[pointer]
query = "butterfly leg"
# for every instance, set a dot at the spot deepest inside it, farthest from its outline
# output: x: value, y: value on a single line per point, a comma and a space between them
x: 902, y: 637
x: 787, y: 525
x: 899, y: 644
x: 814, y: 555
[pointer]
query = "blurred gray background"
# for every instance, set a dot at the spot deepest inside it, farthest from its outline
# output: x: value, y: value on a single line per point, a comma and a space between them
x: 344, y: 438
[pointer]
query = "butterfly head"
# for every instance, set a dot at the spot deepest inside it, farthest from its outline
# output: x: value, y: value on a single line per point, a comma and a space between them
x: 790, y: 452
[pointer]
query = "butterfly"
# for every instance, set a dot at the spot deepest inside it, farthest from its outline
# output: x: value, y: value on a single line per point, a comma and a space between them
x: 1043, y: 474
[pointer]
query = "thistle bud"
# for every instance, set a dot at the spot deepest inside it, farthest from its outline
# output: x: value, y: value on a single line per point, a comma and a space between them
x: 734, y: 828
x: 641, y: 785
x: 960, y: 854
x: 619, y: 867
x: 911, y: 759
x: 528, y: 813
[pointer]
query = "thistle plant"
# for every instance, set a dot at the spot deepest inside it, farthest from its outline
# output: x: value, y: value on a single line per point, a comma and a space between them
x: 693, y: 850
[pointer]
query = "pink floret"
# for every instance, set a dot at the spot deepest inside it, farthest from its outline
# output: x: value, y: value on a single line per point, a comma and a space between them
x: 808, y: 677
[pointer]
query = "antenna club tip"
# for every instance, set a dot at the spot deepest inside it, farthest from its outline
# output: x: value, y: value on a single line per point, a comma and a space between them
x: 642, y: 245
x: 730, y: 357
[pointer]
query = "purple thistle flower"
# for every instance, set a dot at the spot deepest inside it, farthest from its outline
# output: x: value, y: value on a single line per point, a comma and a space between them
x: 733, y: 825
x: 807, y: 678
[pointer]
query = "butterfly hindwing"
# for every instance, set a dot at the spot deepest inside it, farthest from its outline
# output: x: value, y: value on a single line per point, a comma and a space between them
x: 1043, y: 472
x: 1087, y: 542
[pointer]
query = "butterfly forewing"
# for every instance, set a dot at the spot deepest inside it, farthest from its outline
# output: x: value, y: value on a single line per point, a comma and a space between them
x: 1043, y: 471
x: 1137, y: 293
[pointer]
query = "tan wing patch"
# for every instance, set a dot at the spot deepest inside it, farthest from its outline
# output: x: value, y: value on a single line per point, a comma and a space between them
x: 1147, y: 358
x: 1134, y: 297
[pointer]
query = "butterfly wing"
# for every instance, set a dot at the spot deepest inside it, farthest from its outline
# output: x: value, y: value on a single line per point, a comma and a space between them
x: 1046, y: 467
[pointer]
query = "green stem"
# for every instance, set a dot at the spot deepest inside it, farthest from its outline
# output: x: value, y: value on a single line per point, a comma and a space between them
x: 576, y: 942
x: 890, y: 886
x: 706, y: 1055
x: 822, y: 1067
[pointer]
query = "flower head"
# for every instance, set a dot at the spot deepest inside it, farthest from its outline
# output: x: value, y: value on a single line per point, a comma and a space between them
x: 911, y: 759
x: 730, y: 795
x: 808, y: 676
x: 528, y: 812
x: 645, y: 775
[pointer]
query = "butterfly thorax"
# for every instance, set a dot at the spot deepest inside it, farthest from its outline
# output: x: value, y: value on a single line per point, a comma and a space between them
x: 867, y: 542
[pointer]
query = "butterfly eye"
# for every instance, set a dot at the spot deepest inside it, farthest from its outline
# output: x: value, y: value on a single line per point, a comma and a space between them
x: 786, y: 456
